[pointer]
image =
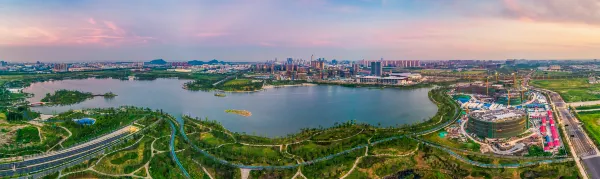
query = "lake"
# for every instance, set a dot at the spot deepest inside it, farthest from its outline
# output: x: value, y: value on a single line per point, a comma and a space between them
x: 275, y: 112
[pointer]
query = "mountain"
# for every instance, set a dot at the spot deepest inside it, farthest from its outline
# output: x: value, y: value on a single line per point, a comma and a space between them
x: 158, y: 62
x: 195, y: 62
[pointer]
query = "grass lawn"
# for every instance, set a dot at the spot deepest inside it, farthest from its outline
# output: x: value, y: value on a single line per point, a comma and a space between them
x: 572, y: 90
x: 379, y: 167
x: 591, y: 124
x: 334, y: 168
x: 435, y: 137
x: 311, y: 149
x: 588, y: 107
x: 250, y: 155
x: 334, y: 134
x: 210, y: 139
x: 162, y: 166
x: 28, y: 134
x: 432, y: 71
x: 551, y: 73
x: 237, y: 82
x: 2, y: 116
x: 394, y: 147
x: 127, y: 160
x: 470, y: 72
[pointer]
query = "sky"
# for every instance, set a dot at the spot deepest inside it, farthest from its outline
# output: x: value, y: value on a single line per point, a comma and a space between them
x: 259, y: 30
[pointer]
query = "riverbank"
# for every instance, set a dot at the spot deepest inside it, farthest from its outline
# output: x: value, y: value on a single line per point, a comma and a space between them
x: 365, y: 85
x: 283, y: 86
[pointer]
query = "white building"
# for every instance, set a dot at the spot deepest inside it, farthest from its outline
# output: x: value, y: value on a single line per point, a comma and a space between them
x: 391, y: 80
x: 15, y: 90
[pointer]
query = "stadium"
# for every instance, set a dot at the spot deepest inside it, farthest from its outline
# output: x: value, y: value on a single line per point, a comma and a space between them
x: 503, y: 123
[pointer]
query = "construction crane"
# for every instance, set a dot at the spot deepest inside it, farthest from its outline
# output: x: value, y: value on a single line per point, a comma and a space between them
x: 487, y: 86
x: 514, y: 80
x: 522, y: 95
x: 508, y: 96
x: 496, y: 76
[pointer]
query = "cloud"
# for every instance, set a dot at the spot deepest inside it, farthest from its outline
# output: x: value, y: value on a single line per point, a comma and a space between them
x: 84, y: 32
x: 434, y: 29
x: 92, y: 21
x: 346, y: 9
x: 267, y: 44
x: 559, y: 11
x: 116, y: 29
x: 26, y: 35
x: 211, y: 34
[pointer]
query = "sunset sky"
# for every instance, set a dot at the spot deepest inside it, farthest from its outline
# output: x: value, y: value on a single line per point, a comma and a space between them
x: 258, y: 30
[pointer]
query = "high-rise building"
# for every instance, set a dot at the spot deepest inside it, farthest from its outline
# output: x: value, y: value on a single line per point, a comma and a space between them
x: 62, y: 67
x: 355, y: 69
x: 392, y: 63
x: 290, y: 60
x: 376, y: 69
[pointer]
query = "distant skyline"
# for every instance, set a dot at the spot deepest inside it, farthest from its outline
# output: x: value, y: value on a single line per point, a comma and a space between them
x: 259, y: 30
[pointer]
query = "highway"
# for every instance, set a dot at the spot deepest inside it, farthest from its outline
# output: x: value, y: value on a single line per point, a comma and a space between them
x: 582, y: 145
x: 55, y: 159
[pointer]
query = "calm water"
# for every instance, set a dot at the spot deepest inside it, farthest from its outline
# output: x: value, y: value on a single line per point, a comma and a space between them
x: 275, y: 112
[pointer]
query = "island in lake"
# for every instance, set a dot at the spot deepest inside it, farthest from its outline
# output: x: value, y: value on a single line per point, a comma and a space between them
x: 244, y: 113
x: 68, y: 97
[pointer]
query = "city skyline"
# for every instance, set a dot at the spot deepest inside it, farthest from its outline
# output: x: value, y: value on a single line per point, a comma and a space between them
x: 67, y: 31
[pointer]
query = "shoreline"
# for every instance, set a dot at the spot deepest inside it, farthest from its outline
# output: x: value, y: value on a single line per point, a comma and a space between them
x: 283, y: 86
x: 416, y: 123
x: 298, y: 85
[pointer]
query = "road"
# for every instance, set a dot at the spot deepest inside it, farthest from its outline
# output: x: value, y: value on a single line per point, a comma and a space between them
x: 582, y: 145
x: 584, y: 103
x: 55, y: 159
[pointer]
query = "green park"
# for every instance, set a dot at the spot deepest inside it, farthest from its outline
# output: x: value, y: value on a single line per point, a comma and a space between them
x: 160, y: 145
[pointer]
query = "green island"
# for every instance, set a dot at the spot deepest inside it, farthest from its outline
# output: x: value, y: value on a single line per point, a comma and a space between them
x: 108, y: 95
x: 244, y: 113
x: 68, y: 97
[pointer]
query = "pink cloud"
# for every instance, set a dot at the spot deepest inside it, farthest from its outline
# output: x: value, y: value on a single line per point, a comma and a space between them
x: 346, y: 9
x: 266, y: 44
x: 92, y: 21
x: 116, y: 29
x: 27, y: 35
x: 558, y: 11
x: 211, y: 34
x: 86, y: 32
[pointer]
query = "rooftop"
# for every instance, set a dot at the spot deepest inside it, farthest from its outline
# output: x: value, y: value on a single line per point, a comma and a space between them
x: 385, y: 78
x: 499, y: 115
